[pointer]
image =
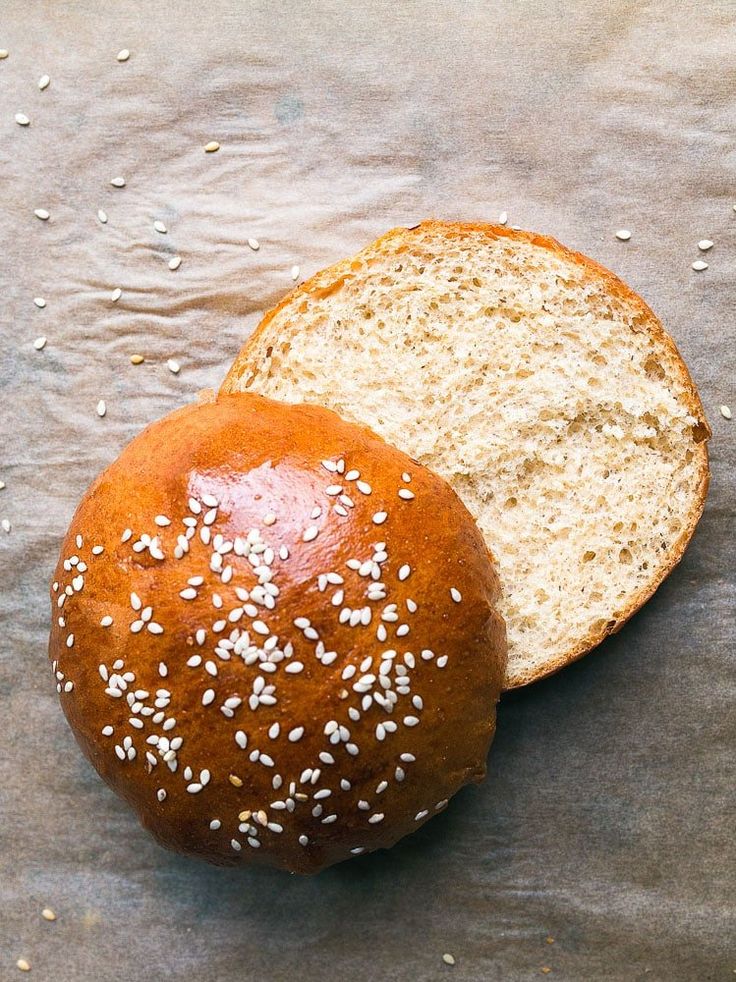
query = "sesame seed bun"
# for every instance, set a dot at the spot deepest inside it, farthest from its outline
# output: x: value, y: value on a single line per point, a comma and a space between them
x: 276, y: 636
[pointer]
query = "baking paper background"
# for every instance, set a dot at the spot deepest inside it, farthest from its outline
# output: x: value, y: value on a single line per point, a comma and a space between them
x: 608, y: 820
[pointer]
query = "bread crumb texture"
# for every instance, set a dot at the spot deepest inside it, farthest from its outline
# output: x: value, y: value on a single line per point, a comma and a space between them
x: 534, y: 381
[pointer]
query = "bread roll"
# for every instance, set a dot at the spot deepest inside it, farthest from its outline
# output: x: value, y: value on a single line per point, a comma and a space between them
x: 538, y: 385
x: 276, y: 636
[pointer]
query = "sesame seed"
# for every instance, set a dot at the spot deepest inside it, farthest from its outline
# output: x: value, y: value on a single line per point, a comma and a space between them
x: 161, y: 794
x: 269, y: 519
x: 448, y: 959
x: 310, y: 533
x: 162, y: 521
x: 174, y: 263
x: 726, y: 412
x: 208, y: 697
x: 40, y: 343
x: 456, y: 595
x: 116, y: 294
x: 380, y: 517
x: 295, y: 273
x: 704, y: 245
x: 102, y: 216
x: 48, y: 914
x: 22, y: 120
x: 303, y: 840
x: 23, y: 965
x: 212, y: 147
x: 235, y: 781
x: 118, y: 182
x: 137, y: 359
x: 404, y: 571
x: 406, y: 494
x: 123, y: 55
x: 4, y: 53
x: 173, y: 366
x: 623, y: 235
x: 254, y: 244
x: 503, y: 218
x: 39, y: 302
x: 160, y: 227
x: 101, y: 408
x: 699, y: 265
x: 296, y: 734
x: 42, y: 214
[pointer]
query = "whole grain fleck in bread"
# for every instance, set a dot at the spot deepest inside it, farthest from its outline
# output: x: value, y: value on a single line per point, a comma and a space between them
x: 538, y: 384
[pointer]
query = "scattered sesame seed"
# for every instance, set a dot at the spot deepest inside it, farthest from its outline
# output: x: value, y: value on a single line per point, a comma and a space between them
x: 404, y: 571
x: 123, y: 55
x: 699, y: 265
x: 137, y: 359
x: 23, y: 965
x: 40, y: 343
x: 5, y: 525
x: 48, y: 914
x: 2, y: 485
x: 726, y: 412
x: 704, y: 245
x: 380, y: 517
x: 101, y: 408
x: 212, y: 147
x: 116, y: 294
x: 174, y: 263
x: 102, y: 215
x: 503, y: 218
x: 173, y: 366
x: 310, y: 533
x: 4, y: 53
x: 406, y: 494
x: 295, y: 273
x: 448, y: 959
x: 160, y: 227
x: 42, y: 213
x: 22, y: 120
x: 623, y: 235
x: 455, y: 594
x: 254, y: 244
x: 235, y: 781
x: 118, y: 182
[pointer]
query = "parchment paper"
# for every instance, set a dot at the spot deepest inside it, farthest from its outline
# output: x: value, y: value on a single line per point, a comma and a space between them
x: 607, y: 822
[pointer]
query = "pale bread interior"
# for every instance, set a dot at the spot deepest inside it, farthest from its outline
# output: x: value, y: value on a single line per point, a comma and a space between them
x: 545, y: 393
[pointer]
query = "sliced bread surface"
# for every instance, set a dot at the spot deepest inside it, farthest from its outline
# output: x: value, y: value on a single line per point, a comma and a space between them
x: 533, y: 380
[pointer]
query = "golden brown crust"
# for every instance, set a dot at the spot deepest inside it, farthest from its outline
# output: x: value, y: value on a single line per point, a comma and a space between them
x: 325, y: 281
x: 263, y: 464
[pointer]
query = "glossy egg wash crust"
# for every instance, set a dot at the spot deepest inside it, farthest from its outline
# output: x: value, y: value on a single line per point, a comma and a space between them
x: 276, y: 636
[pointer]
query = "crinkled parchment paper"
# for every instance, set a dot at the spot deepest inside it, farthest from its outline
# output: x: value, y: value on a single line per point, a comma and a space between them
x: 607, y: 822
